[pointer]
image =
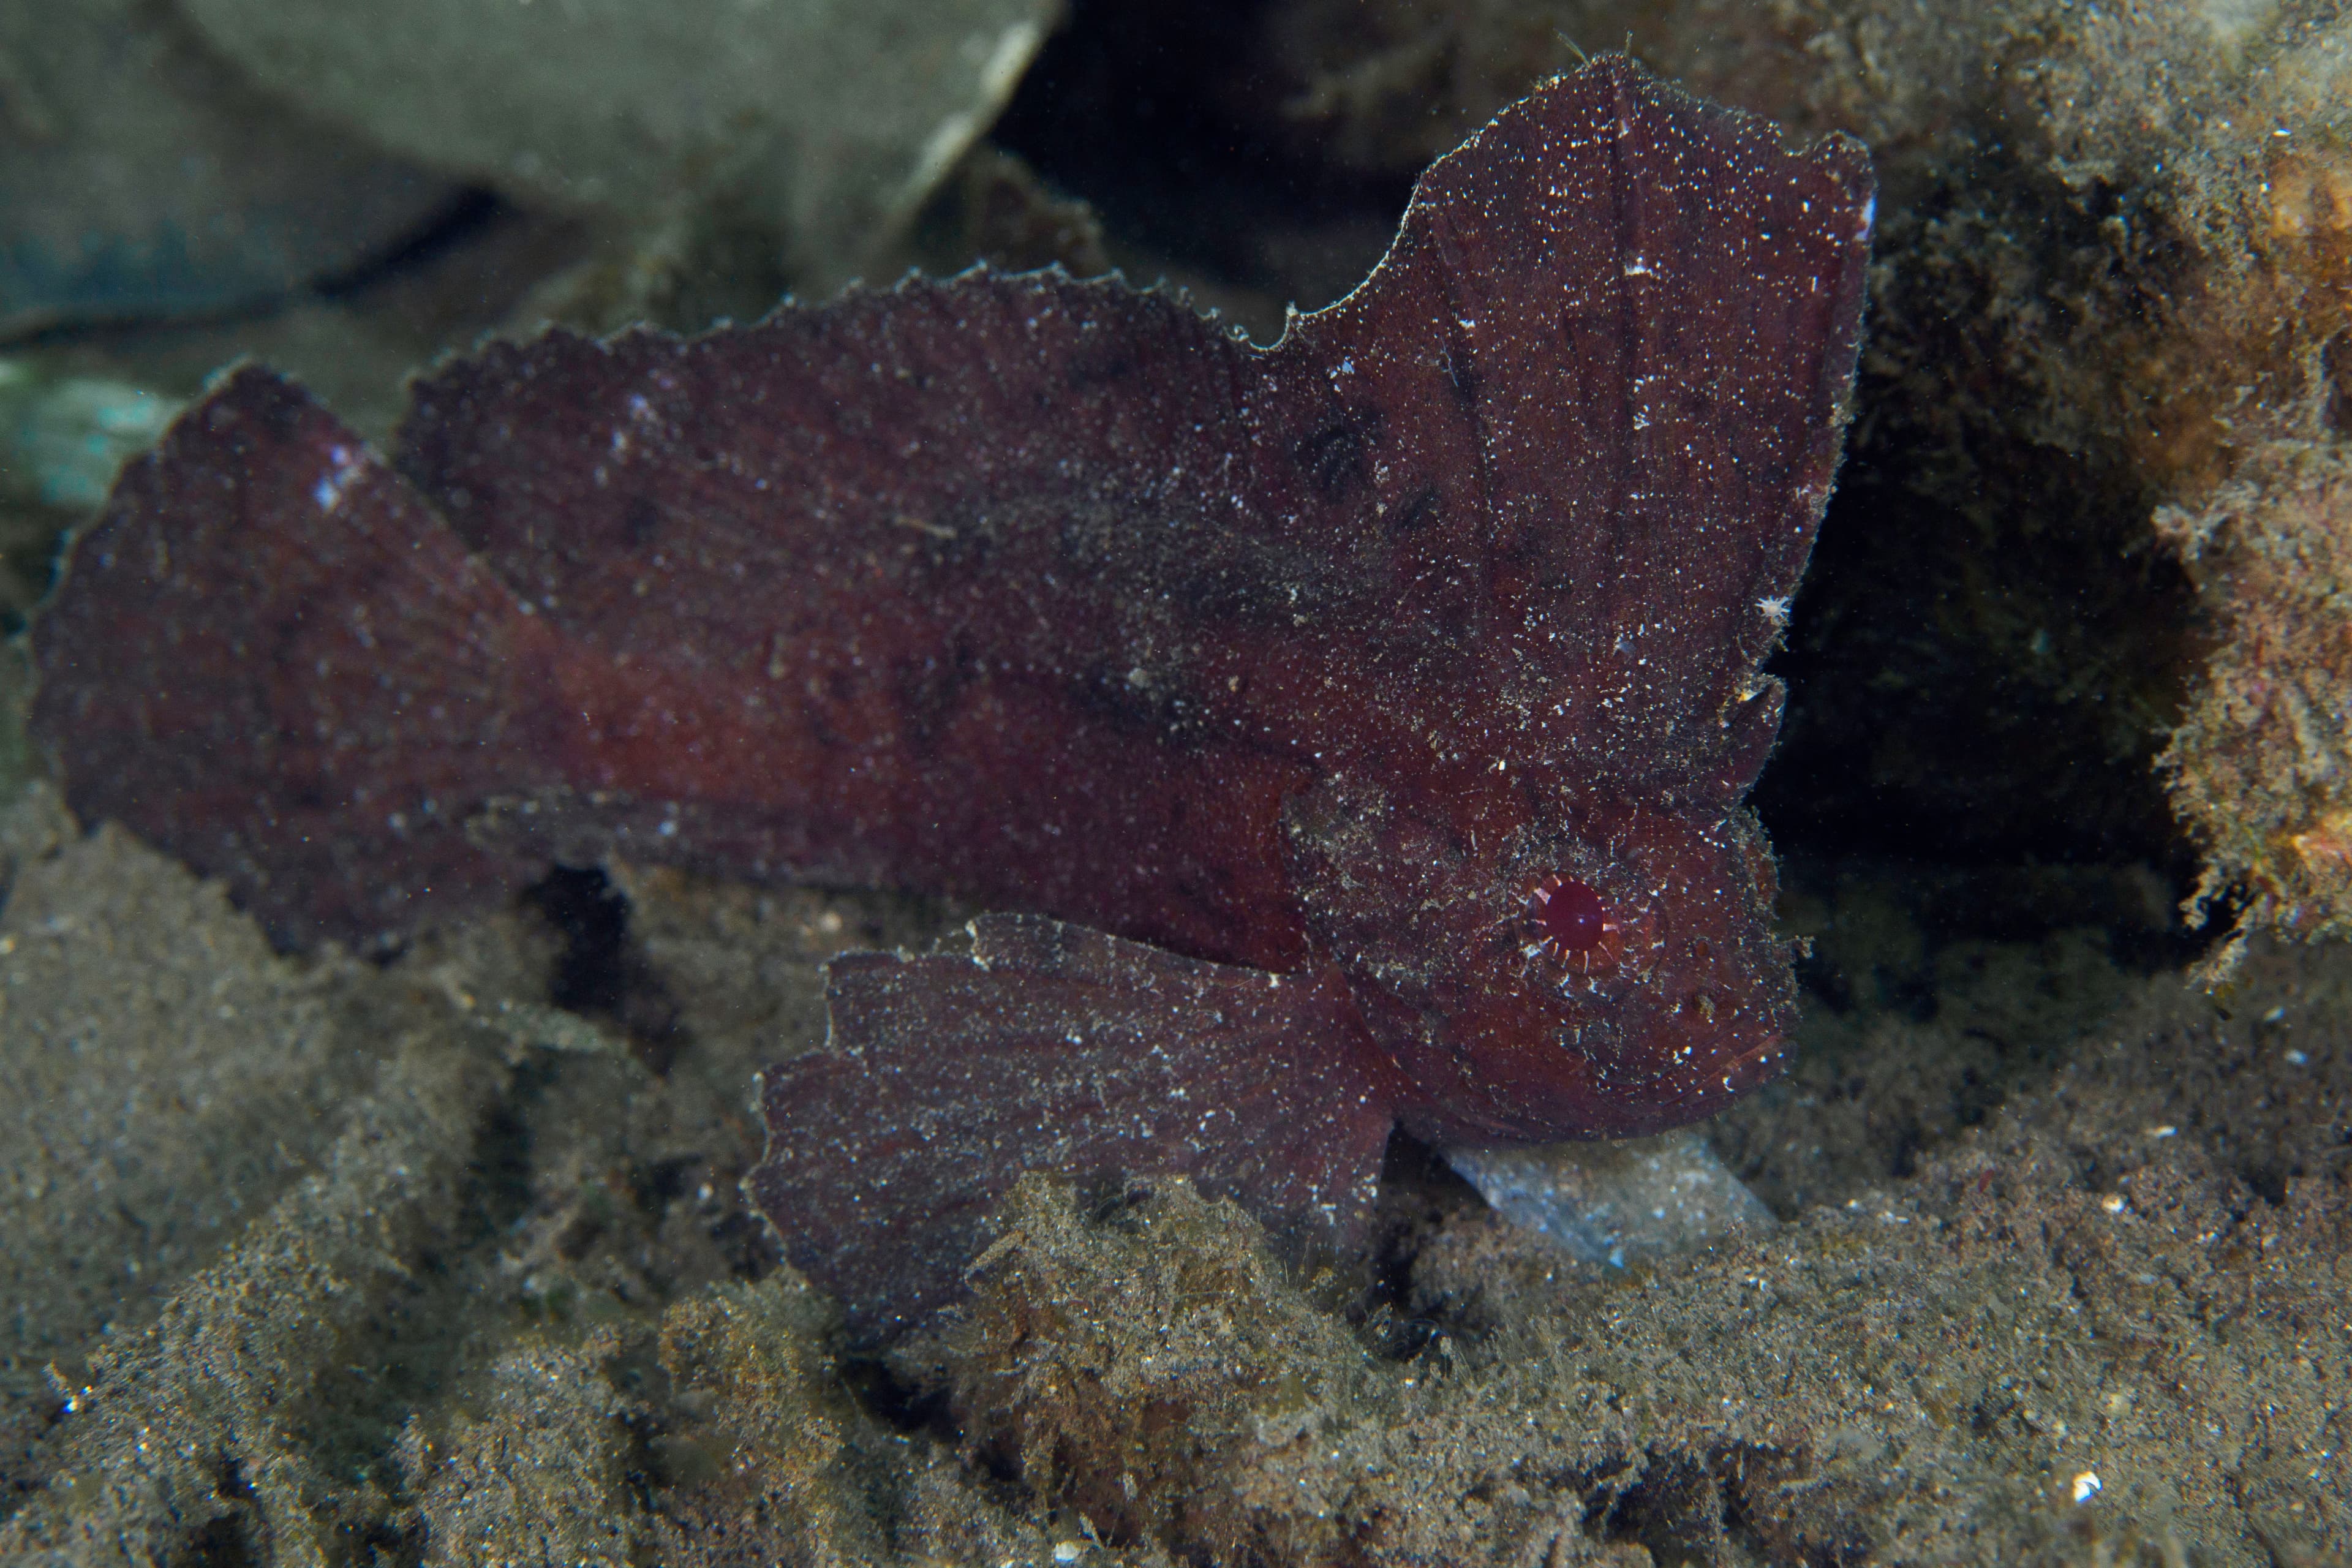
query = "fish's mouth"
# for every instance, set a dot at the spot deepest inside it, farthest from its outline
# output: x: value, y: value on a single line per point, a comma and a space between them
x: 1687, y: 1100
x: 1731, y: 1079
x: 1756, y: 1067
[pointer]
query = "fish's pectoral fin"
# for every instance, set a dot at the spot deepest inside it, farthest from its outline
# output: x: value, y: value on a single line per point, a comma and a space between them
x: 1047, y: 1046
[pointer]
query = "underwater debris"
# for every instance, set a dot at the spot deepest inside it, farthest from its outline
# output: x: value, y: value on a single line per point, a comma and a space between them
x: 822, y: 126
x: 1329, y: 670
x: 64, y: 439
x: 1611, y: 1203
x: 141, y: 177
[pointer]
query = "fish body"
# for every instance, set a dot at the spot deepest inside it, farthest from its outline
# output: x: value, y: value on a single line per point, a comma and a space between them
x: 1354, y: 730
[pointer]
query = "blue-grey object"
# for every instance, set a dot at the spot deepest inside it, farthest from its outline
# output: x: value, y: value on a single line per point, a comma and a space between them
x: 62, y: 441
x: 1611, y: 1203
x: 142, y: 177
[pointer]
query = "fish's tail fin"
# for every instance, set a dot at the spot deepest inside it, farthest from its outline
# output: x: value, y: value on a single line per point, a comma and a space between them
x: 1051, y: 1047
x: 270, y: 657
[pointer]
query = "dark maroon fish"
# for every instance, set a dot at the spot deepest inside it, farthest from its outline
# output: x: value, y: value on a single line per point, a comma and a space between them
x: 1383, y: 701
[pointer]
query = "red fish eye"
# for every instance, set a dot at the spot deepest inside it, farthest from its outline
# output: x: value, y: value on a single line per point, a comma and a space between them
x: 1569, y: 913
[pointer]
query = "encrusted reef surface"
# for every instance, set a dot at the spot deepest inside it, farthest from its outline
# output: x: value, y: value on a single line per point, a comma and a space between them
x: 2260, y: 766
x: 484, y: 1291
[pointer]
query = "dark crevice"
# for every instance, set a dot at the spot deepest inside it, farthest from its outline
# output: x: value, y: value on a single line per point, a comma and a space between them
x: 460, y: 221
x: 600, y: 972
x: 222, y: 1543
x: 1154, y: 117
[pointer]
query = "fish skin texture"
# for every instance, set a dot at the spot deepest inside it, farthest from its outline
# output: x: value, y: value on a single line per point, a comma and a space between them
x: 1263, y: 685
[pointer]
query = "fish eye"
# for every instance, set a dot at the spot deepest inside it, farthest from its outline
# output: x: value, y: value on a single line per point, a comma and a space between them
x: 1569, y: 914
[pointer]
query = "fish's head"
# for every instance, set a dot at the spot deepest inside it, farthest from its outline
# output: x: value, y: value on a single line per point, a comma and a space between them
x: 1606, y: 971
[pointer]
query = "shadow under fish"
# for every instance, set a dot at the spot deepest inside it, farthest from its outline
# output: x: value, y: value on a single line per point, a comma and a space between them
x: 1356, y: 728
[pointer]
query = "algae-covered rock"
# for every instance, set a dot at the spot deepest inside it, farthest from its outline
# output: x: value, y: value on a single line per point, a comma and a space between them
x: 768, y: 1432
x: 1132, y: 1362
x: 2261, y: 764
x: 541, y: 1476
x: 760, y: 1454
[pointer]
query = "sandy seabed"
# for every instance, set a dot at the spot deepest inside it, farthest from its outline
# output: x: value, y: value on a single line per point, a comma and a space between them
x: 315, y: 1260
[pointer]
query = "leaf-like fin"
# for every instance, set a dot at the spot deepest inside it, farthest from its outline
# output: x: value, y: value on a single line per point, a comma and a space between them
x: 1050, y: 1046
x: 272, y: 658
